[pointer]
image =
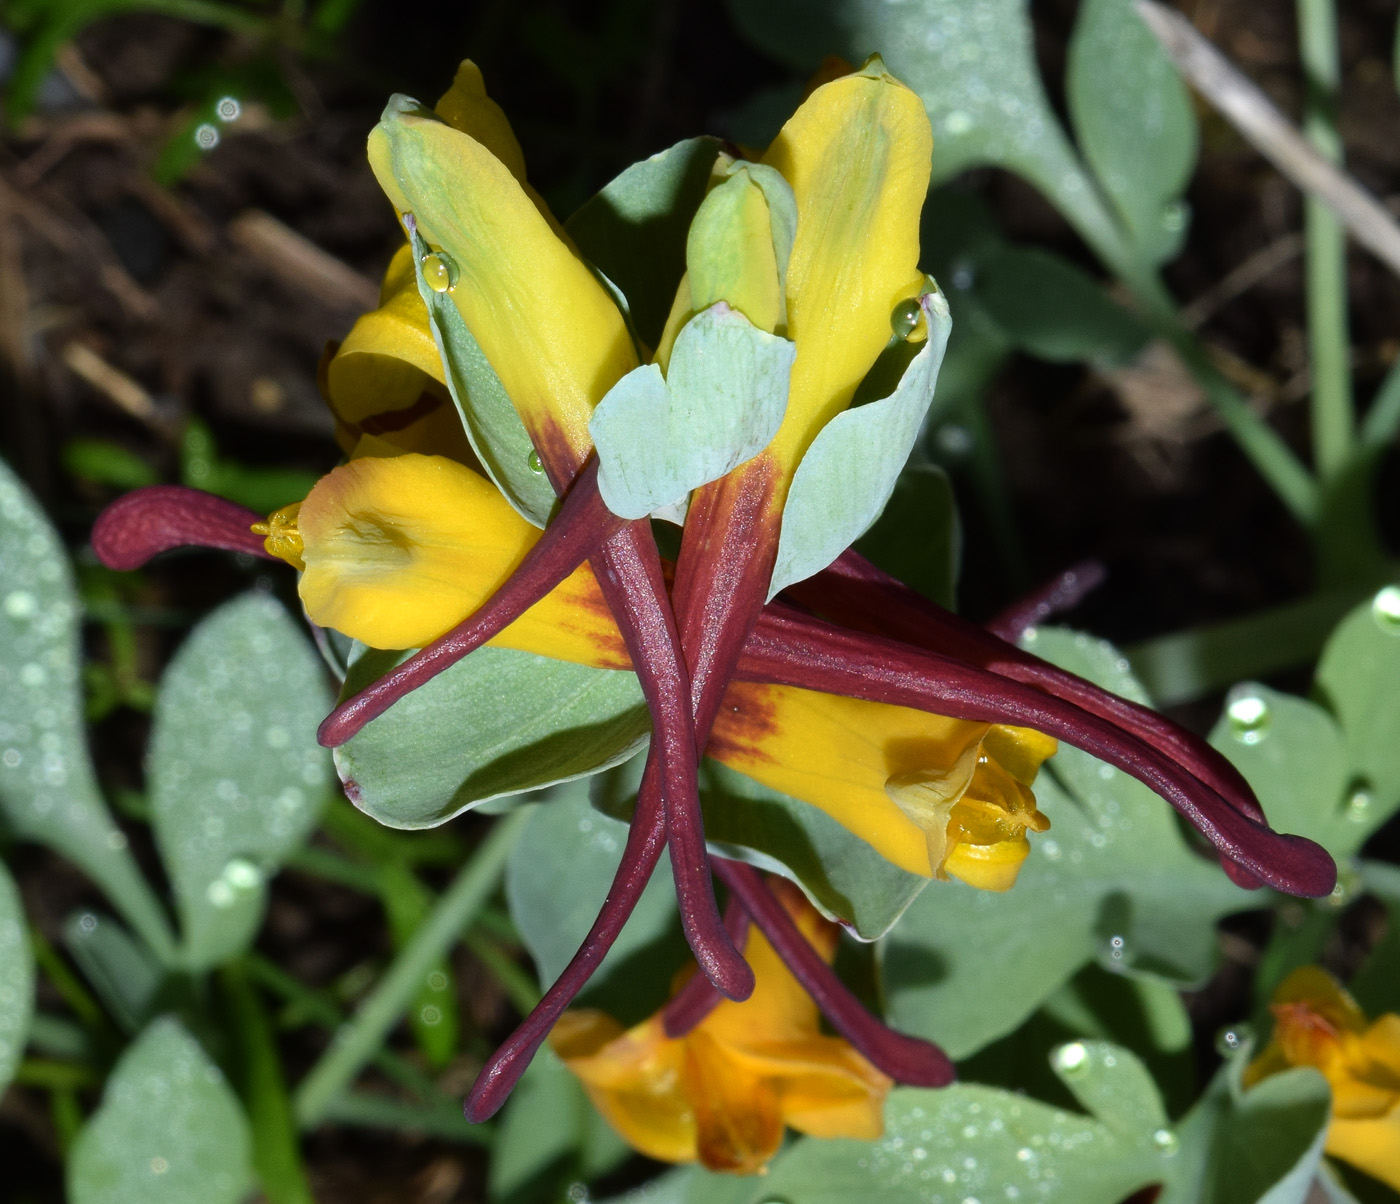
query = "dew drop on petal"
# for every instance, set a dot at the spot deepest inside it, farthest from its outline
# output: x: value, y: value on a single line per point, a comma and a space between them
x: 440, y: 271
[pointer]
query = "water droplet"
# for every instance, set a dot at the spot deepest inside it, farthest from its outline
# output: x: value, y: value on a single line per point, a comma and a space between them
x: 12, y: 758
x: 20, y: 604
x: 437, y: 981
x: 957, y: 122
x: 1232, y: 1040
x: 1051, y: 849
x: 220, y: 894
x: 228, y: 108
x: 1115, y: 948
x: 954, y: 439
x: 440, y: 271
x: 1359, y: 806
x: 206, y: 136
x: 430, y: 1015
x: 87, y: 922
x: 158, y: 1165
x: 1248, y: 714
x: 33, y: 674
x: 905, y: 318
x: 242, y: 874
x: 1025, y: 1154
x: 1166, y: 1141
x: 534, y: 461
x: 1175, y: 216
x: 1071, y: 1059
x: 1385, y: 608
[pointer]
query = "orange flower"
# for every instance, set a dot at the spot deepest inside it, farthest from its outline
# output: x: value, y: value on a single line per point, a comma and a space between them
x: 723, y: 1093
x: 1316, y: 1023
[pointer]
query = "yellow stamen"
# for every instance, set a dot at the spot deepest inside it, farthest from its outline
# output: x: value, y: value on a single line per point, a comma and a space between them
x: 281, y: 536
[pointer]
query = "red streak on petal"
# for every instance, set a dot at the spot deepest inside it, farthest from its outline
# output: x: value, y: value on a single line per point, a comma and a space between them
x: 160, y: 518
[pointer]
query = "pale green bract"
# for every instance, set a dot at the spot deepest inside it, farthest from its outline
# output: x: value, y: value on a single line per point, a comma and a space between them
x: 847, y: 475
x: 721, y: 402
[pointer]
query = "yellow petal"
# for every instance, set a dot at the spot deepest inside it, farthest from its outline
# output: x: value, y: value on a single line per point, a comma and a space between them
x: 738, y: 1119
x: 1372, y: 1146
x: 548, y: 328
x: 398, y: 551
x: 857, y: 154
x: 466, y: 107
x: 991, y: 867
x: 635, y: 1080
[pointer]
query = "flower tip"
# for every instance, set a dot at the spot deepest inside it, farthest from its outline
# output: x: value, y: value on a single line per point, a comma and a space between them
x: 1239, y: 875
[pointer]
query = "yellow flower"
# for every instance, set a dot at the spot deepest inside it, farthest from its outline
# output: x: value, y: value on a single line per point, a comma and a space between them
x: 722, y: 1093
x: 1316, y: 1023
x: 397, y: 550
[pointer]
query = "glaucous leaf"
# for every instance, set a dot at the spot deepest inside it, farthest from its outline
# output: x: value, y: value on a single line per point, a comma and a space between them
x: 1054, y: 310
x: 1292, y: 752
x: 1133, y: 118
x: 493, y: 426
x: 122, y: 971
x: 237, y: 779
x: 559, y: 873
x: 1356, y: 679
x: 848, y: 473
x: 498, y: 722
x: 169, y: 1129
x: 1113, y: 876
x: 721, y: 402
x: 634, y: 230
x: 16, y: 979
x: 48, y: 792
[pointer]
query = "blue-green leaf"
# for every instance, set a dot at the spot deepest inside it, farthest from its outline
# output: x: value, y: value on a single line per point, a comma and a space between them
x: 635, y: 229
x: 169, y: 1130
x: 559, y: 873
x: 237, y: 779
x: 499, y: 722
x: 1114, y: 865
x: 1134, y: 122
x: 492, y: 424
x: 16, y: 979
x: 847, y: 475
x: 121, y: 970
x: 721, y: 403
x: 48, y: 791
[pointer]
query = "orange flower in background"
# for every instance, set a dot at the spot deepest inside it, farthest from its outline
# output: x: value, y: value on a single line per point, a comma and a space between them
x: 1316, y: 1023
x: 723, y: 1093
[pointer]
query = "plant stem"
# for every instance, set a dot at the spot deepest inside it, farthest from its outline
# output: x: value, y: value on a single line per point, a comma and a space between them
x: 358, y: 1040
x: 1333, y: 419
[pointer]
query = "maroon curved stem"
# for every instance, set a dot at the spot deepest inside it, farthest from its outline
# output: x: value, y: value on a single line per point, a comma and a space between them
x: 905, y: 1059
x: 858, y: 595
x: 793, y: 649
x: 160, y: 518
x: 645, y: 839
x: 1063, y: 593
x: 698, y: 998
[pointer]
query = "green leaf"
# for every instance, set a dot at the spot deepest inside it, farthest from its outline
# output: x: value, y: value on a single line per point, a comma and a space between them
x: 492, y: 424
x: 1114, y: 865
x: 848, y: 473
x: 16, y: 979
x: 635, y: 229
x: 549, y: 1135
x: 917, y: 537
x: 971, y: 1142
x: 1292, y: 753
x: 121, y: 970
x: 1053, y: 310
x: 107, y: 463
x: 557, y: 877
x: 1133, y: 118
x: 499, y: 722
x: 48, y: 791
x: 169, y: 1130
x: 237, y: 779
x: 1261, y: 1146
x: 433, y: 1015
x: 744, y: 820
x: 1356, y: 678
x: 721, y: 402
